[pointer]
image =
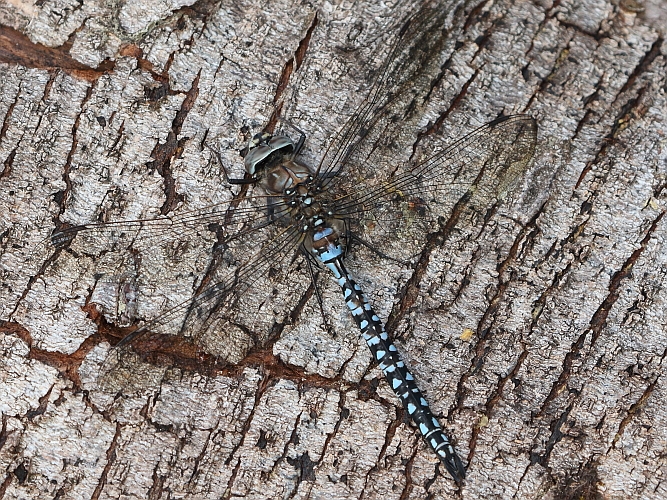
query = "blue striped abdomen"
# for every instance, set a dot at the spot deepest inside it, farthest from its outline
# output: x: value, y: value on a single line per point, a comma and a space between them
x: 385, y: 353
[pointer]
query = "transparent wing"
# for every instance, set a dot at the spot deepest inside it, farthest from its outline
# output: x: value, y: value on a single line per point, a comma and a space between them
x: 236, y: 217
x: 156, y: 247
x: 474, y: 172
x: 212, y: 258
x: 220, y: 322
x: 404, y: 74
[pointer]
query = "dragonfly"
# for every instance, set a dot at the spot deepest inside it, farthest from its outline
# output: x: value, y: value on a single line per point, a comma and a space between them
x: 289, y: 216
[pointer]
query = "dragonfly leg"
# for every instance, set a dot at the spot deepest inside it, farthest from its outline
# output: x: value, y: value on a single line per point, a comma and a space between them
x: 313, y: 278
x: 231, y: 180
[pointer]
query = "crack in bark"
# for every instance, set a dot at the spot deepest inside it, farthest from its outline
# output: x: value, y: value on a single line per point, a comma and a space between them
x: 634, y: 409
x: 41, y: 408
x: 9, y: 114
x: 621, y: 122
x: 408, y: 294
x: 164, y: 154
x: 474, y: 17
x: 343, y: 413
x: 61, y: 196
x: 599, y: 318
x: 557, y: 65
x: 262, y: 386
x: 554, y: 438
x: 437, y: 124
x: 293, y: 439
x: 407, y: 487
x: 17, y: 49
x: 66, y: 364
x: 111, y: 459
x: 294, y: 62
x: 484, y: 332
x: 7, y: 164
x: 157, y: 488
x: 643, y: 65
x: 5, y: 484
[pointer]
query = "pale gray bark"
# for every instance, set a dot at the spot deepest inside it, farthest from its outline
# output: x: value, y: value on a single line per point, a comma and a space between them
x: 559, y: 391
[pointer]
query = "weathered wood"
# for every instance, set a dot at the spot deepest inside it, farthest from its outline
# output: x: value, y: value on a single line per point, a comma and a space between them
x: 105, y: 108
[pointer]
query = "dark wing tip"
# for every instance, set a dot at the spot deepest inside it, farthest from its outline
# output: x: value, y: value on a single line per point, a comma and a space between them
x: 529, y: 120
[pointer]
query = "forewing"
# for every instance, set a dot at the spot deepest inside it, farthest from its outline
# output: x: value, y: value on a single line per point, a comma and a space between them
x: 160, y: 250
x: 403, y: 76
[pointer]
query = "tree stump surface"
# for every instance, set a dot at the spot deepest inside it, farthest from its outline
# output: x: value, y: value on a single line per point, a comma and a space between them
x: 538, y: 335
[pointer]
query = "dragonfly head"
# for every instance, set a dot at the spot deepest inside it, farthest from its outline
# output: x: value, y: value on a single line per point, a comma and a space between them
x: 265, y: 150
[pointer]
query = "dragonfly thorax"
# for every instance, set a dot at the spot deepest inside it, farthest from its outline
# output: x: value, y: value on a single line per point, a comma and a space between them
x: 271, y: 160
x: 284, y: 175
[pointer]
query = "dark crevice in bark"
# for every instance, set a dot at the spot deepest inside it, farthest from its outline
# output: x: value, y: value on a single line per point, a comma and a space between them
x: 343, y: 413
x: 293, y: 63
x: 7, y: 164
x: 485, y: 327
x: 302, y: 49
x: 3, y: 431
x: 155, y: 492
x: 643, y: 65
x: 161, y: 87
x: 597, y: 36
x: 465, y: 277
x: 554, y: 439
x: 201, y: 9
x: 293, y: 440
x: 621, y: 122
x: 164, y: 154
x: 41, y: 408
x: 200, y: 457
x: 389, y: 436
x: 599, y: 318
x: 549, y: 291
x: 635, y: 409
x: 449, y: 34
x: 548, y: 79
x: 458, y: 98
x: 17, y: 48
x: 9, y: 114
x: 62, y: 196
x: 5, y: 484
x: 408, y: 294
x: 476, y: 15
x: 589, y: 106
x: 406, y: 493
x: 45, y: 97
x: 494, y: 398
x: 66, y: 364
x: 262, y: 386
x: 111, y: 459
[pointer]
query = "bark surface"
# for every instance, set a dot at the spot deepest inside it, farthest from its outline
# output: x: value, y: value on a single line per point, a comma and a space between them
x: 539, y: 334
